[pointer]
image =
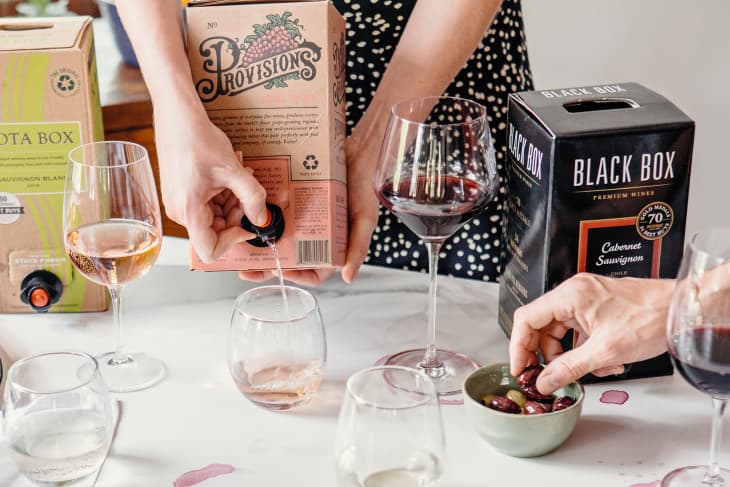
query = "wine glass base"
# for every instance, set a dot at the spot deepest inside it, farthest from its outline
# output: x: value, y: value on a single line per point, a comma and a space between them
x: 455, y: 367
x: 136, y: 371
x: 695, y: 476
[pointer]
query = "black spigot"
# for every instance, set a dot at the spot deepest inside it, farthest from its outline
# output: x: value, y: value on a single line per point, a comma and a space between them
x: 41, y: 290
x: 271, y: 231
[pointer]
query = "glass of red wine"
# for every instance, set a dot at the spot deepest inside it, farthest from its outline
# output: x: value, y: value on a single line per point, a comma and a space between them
x: 113, y: 232
x: 698, y: 335
x: 436, y: 171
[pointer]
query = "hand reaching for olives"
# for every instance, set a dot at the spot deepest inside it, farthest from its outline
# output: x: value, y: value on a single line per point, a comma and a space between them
x: 528, y: 400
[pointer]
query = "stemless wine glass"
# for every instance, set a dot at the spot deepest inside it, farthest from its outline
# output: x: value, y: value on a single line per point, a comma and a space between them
x: 58, y: 420
x: 390, y: 430
x: 435, y: 176
x: 113, y: 234
x: 698, y: 335
x: 276, y: 346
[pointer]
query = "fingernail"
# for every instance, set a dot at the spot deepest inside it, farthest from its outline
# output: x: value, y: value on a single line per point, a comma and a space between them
x: 262, y: 218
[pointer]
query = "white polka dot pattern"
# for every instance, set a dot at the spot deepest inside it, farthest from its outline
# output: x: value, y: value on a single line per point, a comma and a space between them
x: 498, y: 66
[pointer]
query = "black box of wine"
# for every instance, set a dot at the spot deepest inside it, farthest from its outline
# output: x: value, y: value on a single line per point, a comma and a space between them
x: 598, y: 179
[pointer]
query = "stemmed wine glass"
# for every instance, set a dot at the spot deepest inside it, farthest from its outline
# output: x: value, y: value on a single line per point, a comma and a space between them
x: 436, y: 171
x: 113, y: 234
x: 698, y: 335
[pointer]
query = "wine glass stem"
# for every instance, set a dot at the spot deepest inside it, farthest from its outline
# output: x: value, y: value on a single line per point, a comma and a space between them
x: 119, y: 357
x: 431, y: 363
x: 713, y: 472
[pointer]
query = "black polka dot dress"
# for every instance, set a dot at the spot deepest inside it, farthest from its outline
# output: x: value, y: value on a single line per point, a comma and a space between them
x: 499, y: 66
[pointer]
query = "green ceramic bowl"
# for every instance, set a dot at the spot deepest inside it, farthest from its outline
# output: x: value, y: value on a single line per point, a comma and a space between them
x: 518, y: 435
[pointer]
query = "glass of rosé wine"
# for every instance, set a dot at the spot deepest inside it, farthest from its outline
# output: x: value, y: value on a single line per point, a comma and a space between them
x: 698, y: 337
x: 113, y: 233
x: 277, y: 347
x: 436, y: 171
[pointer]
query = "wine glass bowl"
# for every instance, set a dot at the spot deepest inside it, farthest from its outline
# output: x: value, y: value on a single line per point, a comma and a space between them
x: 435, y: 176
x: 58, y: 421
x: 698, y: 338
x: 390, y: 430
x: 113, y: 230
x: 437, y: 170
x: 276, y: 347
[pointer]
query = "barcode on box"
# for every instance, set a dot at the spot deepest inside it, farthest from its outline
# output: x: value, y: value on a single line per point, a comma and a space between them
x: 313, y: 252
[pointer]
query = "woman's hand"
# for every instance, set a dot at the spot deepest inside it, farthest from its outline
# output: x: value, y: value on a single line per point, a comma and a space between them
x: 362, y: 154
x: 204, y: 186
x: 363, y: 215
x: 623, y: 320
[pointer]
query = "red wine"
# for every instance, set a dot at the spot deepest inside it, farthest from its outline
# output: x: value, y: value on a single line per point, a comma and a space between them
x: 702, y: 356
x: 434, y: 208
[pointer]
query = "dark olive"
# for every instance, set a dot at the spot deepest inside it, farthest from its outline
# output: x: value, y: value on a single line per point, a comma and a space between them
x: 528, y: 377
x: 505, y: 405
x: 533, y: 394
x: 533, y: 407
x: 562, y: 403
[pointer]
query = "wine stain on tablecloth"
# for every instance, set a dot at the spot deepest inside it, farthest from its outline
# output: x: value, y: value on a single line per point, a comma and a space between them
x: 656, y: 483
x: 614, y: 397
x: 195, y: 477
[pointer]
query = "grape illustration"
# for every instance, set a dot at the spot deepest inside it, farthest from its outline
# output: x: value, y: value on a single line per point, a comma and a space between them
x: 278, y: 36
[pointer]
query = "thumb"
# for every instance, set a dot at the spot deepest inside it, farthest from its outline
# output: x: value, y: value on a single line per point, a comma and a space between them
x: 248, y: 191
x: 569, y: 367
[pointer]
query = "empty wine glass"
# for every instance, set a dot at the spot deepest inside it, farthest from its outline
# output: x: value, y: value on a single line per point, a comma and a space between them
x: 698, y: 335
x: 113, y: 231
x: 276, y: 347
x: 436, y: 171
x: 390, y: 431
x: 58, y: 420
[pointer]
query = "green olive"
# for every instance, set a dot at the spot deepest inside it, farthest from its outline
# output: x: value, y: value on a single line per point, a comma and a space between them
x: 517, y: 397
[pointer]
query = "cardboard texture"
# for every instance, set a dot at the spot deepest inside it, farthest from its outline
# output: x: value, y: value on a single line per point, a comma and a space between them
x: 49, y: 103
x: 598, y: 180
x: 272, y: 77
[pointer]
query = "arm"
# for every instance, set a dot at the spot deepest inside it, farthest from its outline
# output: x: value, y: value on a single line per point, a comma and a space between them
x: 435, y: 45
x: 204, y: 187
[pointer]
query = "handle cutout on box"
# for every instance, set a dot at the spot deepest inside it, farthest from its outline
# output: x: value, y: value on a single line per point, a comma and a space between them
x: 22, y: 27
x: 599, y: 104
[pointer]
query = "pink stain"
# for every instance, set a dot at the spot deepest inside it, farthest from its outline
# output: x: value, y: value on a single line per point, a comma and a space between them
x: 614, y: 397
x: 656, y: 483
x: 194, y: 477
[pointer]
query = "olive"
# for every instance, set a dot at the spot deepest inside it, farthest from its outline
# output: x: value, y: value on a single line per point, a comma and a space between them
x: 532, y: 393
x: 487, y: 398
x: 562, y: 403
x: 528, y: 377
x: 516, y: 396
x: 533, y: 407
x: 505, y: 405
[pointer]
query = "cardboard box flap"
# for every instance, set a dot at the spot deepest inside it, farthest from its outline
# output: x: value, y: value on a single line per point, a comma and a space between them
x: 601, y: 108
x: 205, y: 3
x: 24, y: 33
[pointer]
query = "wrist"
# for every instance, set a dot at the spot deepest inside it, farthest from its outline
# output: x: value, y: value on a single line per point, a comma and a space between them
x: 179, y: 99
x: 371, y: 127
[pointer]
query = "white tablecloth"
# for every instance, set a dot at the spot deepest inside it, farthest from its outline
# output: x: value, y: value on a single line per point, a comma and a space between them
x: 197, y: 417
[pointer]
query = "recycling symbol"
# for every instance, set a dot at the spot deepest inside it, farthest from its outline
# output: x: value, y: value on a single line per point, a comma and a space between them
x: 310, y: 162
x: 65, y: 83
